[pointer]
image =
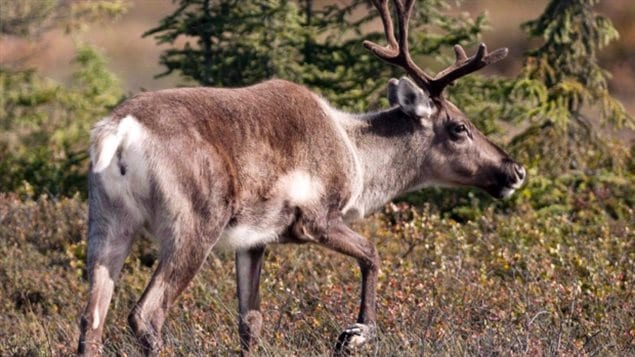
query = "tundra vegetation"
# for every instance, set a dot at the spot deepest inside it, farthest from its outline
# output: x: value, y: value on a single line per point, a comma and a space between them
x: 549, y: 271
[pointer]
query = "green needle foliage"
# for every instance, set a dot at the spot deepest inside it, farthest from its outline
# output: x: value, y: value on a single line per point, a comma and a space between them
x: 28, y: 18
x: 230, y: 45
x: 337, y: 65
x: 548, y: 272
x: 566, y: 63
x: 44, y: 124
x: 234, y: 45
x: 563, y: 86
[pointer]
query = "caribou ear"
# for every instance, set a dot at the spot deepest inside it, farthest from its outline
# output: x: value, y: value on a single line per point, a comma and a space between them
x: 413, y: 100
x: 393, y: 85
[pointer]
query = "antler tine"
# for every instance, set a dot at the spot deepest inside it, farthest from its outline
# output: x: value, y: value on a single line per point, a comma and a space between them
x: 460, y: 53
x: 396, y: 52
x: 464, y: 66
x: 391, y: 51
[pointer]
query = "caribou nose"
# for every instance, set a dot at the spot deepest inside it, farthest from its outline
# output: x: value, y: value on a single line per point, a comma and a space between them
x: 520, y: 172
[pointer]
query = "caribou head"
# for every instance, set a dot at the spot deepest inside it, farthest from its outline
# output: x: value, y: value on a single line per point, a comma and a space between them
x: 456, y: 152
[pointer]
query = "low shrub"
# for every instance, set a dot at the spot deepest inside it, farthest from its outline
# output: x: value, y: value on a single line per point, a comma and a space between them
x: 518, y: 282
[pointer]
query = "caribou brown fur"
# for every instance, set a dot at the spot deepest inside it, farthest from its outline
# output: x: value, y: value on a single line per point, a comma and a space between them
x: 200, y: 168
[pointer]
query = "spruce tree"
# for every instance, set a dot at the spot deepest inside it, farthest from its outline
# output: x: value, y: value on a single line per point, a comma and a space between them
x: 44, y: 125
x: 349, y: 75
x: 563, y: 92
x: 321, y: 46
x: 231, y: 43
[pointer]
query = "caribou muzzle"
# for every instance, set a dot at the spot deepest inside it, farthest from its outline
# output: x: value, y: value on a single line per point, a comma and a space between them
x: 506, y: 178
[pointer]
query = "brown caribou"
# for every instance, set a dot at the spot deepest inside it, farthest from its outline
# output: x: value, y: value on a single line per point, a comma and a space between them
x: 271, y: 163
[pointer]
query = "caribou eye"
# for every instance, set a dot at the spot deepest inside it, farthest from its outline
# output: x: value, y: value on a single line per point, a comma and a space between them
x: 459, y: 129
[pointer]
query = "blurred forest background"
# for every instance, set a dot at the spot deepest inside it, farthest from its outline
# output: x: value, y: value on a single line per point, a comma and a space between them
x: 550, y: 271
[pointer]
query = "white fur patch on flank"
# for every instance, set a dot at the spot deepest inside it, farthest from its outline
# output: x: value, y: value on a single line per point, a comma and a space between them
x: 95, y: 319
x: 300, y: 188
x: 244, y: 236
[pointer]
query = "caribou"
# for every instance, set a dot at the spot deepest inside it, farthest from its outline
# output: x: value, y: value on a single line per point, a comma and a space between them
x: 243, y: 168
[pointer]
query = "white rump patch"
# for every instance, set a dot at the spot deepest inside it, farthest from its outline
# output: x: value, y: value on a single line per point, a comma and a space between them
x: 118, y: 157
x: 108, y: 148
x: 300, y: 188
x: 128, y: 133
x: 244, y: 236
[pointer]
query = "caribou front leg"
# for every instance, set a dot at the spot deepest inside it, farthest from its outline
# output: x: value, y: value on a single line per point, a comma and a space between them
x: 248, y: 267
x: 342, y: 239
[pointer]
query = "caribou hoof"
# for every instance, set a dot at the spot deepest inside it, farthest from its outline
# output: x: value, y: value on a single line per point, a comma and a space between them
x: 352, y: 338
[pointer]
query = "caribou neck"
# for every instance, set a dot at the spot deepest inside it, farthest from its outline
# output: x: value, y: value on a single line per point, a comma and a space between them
x: 389, y: 147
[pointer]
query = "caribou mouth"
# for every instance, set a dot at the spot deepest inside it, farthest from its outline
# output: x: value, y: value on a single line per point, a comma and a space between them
x: 511, y: 181
x: 500, y: 193
x: 504, y: 191
x: 508, y: 190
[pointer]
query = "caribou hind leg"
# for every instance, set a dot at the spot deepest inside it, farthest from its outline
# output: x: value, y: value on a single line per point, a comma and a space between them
x: 111, y: 229
x: 185, y: 245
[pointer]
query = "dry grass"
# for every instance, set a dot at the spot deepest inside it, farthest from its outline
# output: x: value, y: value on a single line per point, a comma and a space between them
x: 522, y: 283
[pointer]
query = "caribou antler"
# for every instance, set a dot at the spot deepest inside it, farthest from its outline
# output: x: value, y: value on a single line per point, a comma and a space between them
x: 397, y: 52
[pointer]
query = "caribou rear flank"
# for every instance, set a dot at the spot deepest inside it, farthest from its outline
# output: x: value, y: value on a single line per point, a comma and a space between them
x: 241, y: 168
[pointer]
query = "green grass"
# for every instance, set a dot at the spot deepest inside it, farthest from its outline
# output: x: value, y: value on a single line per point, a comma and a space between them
x: 510, y: 282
